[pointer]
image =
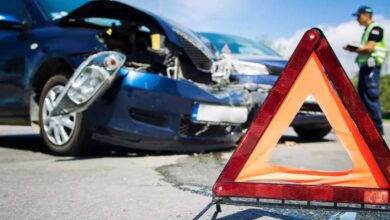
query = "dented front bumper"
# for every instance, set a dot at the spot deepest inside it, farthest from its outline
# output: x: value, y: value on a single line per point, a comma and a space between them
x: 149, y: 111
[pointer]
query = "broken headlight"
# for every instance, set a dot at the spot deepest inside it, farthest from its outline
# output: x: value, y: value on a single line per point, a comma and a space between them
x: 87, y: 83
x: 90, y: 80
x: 101, y: 69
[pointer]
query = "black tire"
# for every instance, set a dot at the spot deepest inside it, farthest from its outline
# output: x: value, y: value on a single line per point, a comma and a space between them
x: 79, y: 138
x: 312, y: 133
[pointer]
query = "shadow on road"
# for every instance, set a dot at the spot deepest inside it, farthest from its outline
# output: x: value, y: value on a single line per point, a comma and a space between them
x: 34, y: 143
x: 256, y: 214
x: 27, y: 142
x: 249, y: 214
x: 299, y: 140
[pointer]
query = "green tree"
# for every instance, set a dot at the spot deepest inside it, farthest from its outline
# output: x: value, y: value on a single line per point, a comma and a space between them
x: 385, y: 92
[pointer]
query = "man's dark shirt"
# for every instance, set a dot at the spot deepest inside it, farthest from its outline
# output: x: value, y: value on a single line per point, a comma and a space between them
x: 376, y: 34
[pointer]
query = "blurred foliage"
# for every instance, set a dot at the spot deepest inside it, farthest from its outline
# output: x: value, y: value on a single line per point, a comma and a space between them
x: 385, y: 91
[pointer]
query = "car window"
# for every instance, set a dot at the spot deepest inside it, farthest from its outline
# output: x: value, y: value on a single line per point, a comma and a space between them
x: 238, y: 45
x: 13, y: 7
x: 56, y: 9
x: 105, y: 22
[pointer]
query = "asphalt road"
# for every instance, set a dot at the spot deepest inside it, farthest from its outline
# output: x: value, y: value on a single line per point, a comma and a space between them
x: 118, y: 184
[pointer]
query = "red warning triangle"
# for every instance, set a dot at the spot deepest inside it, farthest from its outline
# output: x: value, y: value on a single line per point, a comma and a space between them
x: 312, y: 70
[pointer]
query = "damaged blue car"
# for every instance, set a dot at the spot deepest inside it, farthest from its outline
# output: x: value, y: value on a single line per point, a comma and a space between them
x: 254, y: 62
x: 81, y: 71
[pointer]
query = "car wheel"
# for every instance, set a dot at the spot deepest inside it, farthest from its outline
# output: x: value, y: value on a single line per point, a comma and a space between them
x: 64, y: 134
x: 312, y: 133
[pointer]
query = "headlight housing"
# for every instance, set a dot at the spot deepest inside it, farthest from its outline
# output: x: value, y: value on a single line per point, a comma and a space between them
x: 90, y: 80
x: 99, y: 70
x: 87, y: 83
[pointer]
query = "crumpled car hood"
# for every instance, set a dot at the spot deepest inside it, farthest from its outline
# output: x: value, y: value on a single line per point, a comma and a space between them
x: 120, y: 11
x: 175, y: 33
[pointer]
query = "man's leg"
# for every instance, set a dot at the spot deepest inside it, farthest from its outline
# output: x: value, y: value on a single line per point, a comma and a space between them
x: 362, y: 85
x: 369, y: 90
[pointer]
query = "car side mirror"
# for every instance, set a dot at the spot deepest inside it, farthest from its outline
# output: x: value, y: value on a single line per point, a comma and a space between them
x: 11, y: 22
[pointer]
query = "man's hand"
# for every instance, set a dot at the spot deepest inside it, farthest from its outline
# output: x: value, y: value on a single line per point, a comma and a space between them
x: 368, y: 48
x: 348, y: 48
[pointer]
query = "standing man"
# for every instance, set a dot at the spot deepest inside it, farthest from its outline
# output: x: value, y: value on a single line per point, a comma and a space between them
x: 371, y: 56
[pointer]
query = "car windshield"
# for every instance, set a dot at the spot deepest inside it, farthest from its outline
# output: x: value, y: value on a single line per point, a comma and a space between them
x: 56, y: 9
x: 238, y: 45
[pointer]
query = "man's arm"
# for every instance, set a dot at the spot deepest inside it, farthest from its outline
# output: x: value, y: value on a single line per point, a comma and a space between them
x: 375, y: 36
x: 368, y: 48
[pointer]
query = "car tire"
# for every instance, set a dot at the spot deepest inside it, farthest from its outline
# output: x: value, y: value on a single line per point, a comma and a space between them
x: 65, y: 134
x: 312, y: 133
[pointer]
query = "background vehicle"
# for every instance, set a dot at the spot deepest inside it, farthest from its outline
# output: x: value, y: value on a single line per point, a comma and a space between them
x: 255, y: 62
x: 156, y: 99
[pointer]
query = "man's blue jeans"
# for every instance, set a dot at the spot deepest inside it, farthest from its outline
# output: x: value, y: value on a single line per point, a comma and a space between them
x: 368, y: 88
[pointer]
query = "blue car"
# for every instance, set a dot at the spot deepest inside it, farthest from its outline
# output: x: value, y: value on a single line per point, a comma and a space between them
x: 81, y: 71
x: 256, y: 63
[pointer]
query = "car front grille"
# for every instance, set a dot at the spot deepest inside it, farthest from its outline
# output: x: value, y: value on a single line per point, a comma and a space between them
x: 147, y: 117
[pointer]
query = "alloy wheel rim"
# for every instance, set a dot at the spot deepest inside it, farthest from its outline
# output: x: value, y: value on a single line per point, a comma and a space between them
x: 58, y: 129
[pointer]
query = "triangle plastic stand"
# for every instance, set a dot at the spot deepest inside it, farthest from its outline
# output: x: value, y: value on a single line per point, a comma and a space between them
x: 312, y: 70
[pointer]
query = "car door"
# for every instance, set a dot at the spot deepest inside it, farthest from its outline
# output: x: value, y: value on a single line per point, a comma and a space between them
x: 14, y: 46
